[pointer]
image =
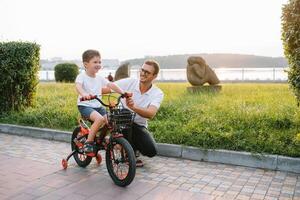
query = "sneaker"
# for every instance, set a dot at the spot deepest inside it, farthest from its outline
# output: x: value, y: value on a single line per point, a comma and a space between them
x: 88, y: 147
x: 139, y: 163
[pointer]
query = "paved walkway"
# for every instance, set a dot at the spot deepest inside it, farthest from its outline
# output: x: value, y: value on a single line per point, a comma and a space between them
x: 30, y: 169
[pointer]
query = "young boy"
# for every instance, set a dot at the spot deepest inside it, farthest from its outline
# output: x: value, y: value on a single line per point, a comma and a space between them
x: 89, y: 83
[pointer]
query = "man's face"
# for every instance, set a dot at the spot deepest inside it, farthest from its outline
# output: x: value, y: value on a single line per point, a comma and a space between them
x: 94, y: 65
x: 147, y: 73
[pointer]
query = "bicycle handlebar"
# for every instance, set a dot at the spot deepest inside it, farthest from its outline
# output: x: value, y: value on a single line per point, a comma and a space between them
x: 91, y: 97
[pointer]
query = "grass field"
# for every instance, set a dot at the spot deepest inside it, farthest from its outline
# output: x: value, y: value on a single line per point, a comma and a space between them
x: 261, y: 118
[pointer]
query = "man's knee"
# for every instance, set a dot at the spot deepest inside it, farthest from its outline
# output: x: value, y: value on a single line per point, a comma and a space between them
x: 144, y: 141
x: 152, y: 154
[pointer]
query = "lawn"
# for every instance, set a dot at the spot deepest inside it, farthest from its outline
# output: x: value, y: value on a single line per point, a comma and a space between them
x: 260, y: 118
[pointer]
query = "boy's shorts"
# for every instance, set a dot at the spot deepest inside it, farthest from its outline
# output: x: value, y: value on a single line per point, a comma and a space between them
x: 86, y: 111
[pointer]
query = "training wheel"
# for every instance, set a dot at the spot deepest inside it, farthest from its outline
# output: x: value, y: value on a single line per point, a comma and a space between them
x: 64, y: 163
x: 98, y: 158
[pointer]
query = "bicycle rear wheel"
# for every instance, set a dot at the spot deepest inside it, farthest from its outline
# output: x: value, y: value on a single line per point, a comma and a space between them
x: 120, y: 161
x: 81, y: 159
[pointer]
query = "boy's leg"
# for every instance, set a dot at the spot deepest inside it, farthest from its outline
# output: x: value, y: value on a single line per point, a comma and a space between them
x: 104, y: 129
x: 94, y: 115
x: 98, y: 121
x: 143, y: 141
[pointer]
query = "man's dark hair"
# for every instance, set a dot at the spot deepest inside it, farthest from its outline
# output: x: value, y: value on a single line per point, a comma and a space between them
x: 154, y: 64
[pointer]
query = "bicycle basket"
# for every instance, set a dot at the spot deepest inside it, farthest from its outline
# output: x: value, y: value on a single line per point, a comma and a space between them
x: 122, y: 118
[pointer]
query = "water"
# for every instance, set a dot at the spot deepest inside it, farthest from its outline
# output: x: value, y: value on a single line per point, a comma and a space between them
x: 224, y: 74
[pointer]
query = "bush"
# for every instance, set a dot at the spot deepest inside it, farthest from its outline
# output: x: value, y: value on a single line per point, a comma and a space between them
x: 291, y: 43
x: 66, y: 72
x: 19, y: 64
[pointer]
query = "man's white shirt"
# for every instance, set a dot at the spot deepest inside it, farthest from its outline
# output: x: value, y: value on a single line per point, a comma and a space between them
x: 153, y: 96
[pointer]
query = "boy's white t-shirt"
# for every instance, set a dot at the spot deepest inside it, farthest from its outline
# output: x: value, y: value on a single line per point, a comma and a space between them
x: 91, y: 86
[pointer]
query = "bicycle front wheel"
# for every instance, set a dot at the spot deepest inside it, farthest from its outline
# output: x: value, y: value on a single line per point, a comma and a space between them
x: 120, y: 161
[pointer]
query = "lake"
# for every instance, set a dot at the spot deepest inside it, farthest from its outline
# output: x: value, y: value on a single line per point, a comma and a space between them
x: 224, y: 74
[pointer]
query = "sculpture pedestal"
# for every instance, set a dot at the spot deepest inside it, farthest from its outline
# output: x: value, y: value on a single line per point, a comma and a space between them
x: 204, y: 88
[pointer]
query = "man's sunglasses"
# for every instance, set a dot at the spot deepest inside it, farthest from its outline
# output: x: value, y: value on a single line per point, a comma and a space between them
x: 146, y: 72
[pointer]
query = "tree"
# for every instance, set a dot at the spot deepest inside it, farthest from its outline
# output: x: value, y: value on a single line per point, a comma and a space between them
x: 291, y: 43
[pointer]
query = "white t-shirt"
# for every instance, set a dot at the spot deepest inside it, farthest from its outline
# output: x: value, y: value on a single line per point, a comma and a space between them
x: 153, y: 96
x: 91, y: 86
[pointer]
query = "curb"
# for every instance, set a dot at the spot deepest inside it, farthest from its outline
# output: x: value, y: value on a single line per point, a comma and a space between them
x: 264, y: 161
x: 43, y: 133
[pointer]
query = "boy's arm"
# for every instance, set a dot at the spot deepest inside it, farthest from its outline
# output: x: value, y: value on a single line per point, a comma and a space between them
x: 115, y: 88
x: 80, y: 90
x: 106, y: 90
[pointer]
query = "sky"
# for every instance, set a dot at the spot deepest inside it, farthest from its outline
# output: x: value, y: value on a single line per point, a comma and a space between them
x: 125, y: 29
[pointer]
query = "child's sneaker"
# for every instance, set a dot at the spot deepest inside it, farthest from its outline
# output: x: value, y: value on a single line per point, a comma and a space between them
x: 88, y: 147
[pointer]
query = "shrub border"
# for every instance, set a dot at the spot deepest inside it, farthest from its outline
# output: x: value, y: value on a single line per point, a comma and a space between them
x: 264, y: 161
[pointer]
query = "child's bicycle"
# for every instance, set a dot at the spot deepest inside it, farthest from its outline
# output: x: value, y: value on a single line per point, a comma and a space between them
x: 120, y: 157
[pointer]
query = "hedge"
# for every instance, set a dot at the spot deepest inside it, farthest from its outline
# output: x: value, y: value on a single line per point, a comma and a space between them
x: 19, y: 65
x: 291, y: 43
x: 66, y: 72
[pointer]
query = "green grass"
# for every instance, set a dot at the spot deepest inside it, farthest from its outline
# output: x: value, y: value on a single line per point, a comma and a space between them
x: 260, y: 118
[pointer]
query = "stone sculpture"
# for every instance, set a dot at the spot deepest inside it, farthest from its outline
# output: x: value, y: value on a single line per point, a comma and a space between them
x: 122, y: 72
x: 199, y: 73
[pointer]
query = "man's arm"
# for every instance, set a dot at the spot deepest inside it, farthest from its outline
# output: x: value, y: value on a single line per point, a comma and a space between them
x: 148, y: 113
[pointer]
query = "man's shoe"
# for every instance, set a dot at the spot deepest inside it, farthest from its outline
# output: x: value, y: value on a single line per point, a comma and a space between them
x: 139, y: 163
x: 137, y: 153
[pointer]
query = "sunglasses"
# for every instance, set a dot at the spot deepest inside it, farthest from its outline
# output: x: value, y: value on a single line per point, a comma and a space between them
x: 146, y: 72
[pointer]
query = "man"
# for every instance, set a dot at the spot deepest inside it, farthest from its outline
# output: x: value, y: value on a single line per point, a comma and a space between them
x: 145, y: 102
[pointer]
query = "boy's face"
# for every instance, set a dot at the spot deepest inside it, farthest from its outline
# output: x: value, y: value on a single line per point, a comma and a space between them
x: 94, y: 65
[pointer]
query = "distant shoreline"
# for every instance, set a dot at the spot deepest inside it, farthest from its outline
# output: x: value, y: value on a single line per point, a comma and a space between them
x: 180, y: 61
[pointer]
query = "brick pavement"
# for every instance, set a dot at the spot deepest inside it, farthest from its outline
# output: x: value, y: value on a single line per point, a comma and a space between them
x: 30, y: 169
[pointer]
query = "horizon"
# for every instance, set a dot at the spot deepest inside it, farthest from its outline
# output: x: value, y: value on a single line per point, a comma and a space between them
x: 54, y: 58
x: 137, y: 29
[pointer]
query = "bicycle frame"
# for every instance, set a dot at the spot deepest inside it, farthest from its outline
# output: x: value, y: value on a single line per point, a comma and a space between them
x: 84, y: 130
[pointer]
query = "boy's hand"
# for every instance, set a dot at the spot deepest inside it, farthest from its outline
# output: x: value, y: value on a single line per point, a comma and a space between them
x: 87, y: 97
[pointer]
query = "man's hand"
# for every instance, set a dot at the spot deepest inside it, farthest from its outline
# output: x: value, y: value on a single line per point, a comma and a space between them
x: 130, y: 103
x: 127, y: 94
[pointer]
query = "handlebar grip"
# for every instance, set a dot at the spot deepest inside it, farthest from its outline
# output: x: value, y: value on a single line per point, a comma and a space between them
x: 88, y: 97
